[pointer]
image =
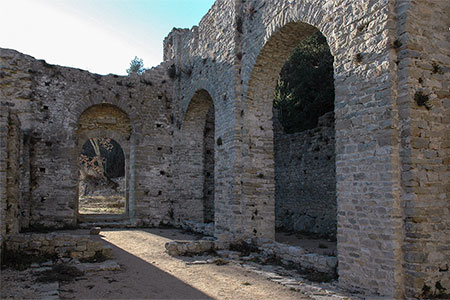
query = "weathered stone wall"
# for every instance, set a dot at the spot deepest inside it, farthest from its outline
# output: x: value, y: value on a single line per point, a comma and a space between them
x: 58, y: 244
x: 370, y: 196
x: 13, y: 176
x: 191, y: 163
x: 49, y: 101
x: 208, y: 168
x: 203, y: 60
x: 305, y: 179
x: 391, y: 144
x: 422, y: 56
x: 358, y: 35
x: 3, y: 170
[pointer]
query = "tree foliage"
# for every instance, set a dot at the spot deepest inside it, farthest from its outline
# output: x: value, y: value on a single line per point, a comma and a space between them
x: 305, y: 89
x: 136, y: 66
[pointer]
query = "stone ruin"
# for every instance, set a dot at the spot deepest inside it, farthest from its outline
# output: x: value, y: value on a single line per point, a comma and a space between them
x: 202, y: 149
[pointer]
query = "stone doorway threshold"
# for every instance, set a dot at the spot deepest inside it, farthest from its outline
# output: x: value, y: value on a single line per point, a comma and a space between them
x: 311, y: 244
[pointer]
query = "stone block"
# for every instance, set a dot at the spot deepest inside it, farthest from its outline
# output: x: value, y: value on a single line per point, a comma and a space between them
x: 76, y: 254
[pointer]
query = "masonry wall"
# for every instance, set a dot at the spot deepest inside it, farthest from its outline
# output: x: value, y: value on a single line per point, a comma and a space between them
x: 58, y: 245
x: 10, y: 140
x: 305, y: 179
x: 391, y: 131
x: 13, y: 194
x: 208, y: 169
x: 3, y: 171
x: 203, y: 59
x: 360, y: 36
x: 49, y: 100
x: 423, y: 69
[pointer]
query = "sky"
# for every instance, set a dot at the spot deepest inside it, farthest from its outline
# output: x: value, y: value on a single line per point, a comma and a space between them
x: 101, y: 36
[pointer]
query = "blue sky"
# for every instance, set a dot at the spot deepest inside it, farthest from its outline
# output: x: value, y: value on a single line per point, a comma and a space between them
x: 101, y: 36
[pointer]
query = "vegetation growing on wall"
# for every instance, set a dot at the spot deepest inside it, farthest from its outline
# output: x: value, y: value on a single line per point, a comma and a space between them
x: 305, y: 89
x: 136, y: 66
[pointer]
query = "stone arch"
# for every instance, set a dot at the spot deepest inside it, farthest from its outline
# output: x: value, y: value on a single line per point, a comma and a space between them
x: 195, y: 161
x: 259, y: 167
x: 357, y: 54
x: 109, y: 121
x: 77, y: 108
x: 297, y: 17
x: 200, y: 86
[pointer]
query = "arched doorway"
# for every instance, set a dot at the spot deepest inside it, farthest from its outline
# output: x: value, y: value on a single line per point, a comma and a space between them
x: 276, y: 166
x: 195, y: 155
x: 104, y: 165
x: 304, y: 150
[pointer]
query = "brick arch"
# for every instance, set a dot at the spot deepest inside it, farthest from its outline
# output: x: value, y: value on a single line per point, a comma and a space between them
x: 191, y: 159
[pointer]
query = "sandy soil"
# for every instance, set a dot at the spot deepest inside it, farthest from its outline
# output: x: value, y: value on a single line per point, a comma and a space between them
x: 148, y: 272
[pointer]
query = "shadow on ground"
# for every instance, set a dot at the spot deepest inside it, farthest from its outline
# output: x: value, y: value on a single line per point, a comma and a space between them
x: 138, y: 279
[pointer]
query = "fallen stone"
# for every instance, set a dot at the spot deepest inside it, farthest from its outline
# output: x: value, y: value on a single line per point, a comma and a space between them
x: 197, y: 262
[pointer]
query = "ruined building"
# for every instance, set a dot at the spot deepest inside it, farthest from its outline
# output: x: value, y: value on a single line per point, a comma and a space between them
x: 197, y: 135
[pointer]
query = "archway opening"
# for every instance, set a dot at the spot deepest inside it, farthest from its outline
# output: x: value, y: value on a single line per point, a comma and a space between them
x: 195, y: 154
x: 289, y: 176
x: 305, y: 181
x: 105, y: 145
x: 102, y: 183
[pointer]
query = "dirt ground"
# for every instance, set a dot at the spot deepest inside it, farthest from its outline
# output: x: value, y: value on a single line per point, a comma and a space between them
x: 148, y: 272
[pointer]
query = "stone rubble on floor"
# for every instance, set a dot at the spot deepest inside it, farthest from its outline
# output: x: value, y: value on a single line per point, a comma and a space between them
x: 51, y: 290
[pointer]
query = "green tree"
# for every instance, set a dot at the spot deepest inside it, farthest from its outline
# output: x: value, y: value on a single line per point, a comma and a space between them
x: 305, y: 89
x: 136, y: 66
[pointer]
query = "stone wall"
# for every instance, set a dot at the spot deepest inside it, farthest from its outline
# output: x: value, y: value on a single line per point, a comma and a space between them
x: 391, y: 74
x: 191, y: 163
x: 201, y: 63
x: 58, y: 244
x: 305, y: 179
x: 3, y: 172
x: 10, y: 175
x: 423, y: 70
x: 13, y: 176
x: 49, y: 101
x: 208, y: 168
x: 240, y: 73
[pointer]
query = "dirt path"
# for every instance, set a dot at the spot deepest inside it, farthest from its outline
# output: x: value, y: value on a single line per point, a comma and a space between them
x: 148, y: 272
